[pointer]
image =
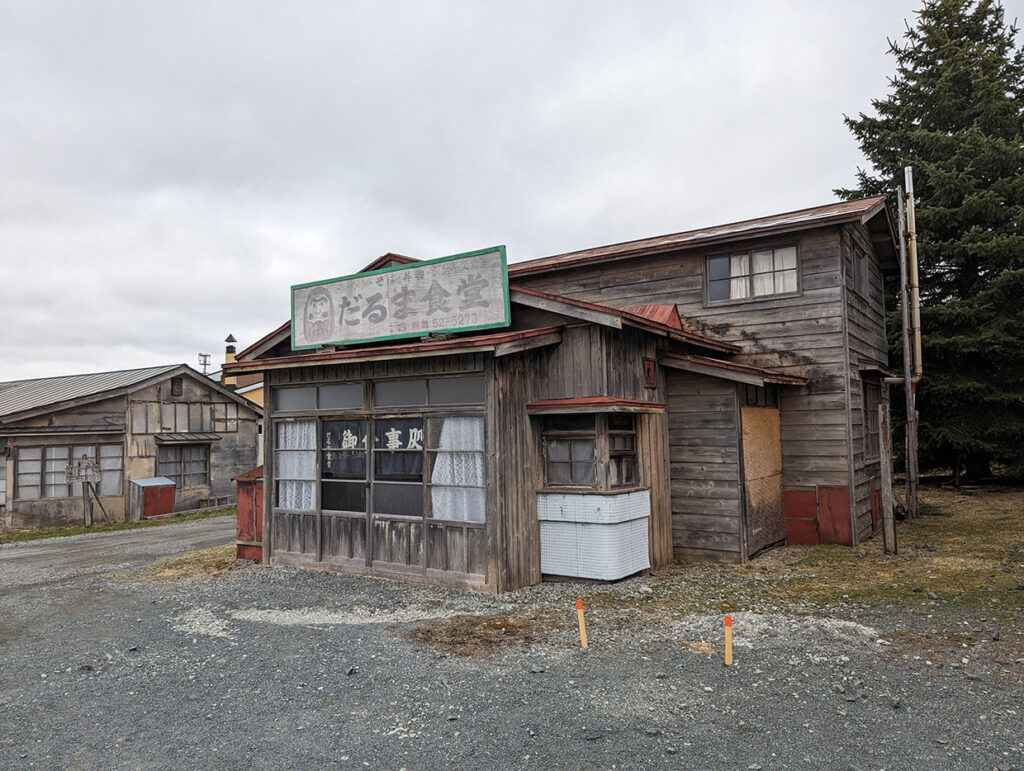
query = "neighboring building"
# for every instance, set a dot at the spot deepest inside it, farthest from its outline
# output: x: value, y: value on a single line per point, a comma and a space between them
x: 132, y: 424
x: 702, y: 395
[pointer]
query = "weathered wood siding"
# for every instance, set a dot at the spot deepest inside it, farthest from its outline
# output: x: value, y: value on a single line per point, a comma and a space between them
x: 105, y: 415
x: 463, y: 555
x: 197, y: 409
x: 865, y: 313
x: 590, y: 361
x: 117, y: 418
x: 704, y: 455
x: 800, y: 334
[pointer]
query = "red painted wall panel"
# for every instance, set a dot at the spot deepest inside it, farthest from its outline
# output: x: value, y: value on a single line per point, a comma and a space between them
x: 801, y: 516
x: 834, y: 514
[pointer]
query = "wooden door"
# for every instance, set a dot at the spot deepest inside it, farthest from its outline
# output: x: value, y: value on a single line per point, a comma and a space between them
x: 762, y: 478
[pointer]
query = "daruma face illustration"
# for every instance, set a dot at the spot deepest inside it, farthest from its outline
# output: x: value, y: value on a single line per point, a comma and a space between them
x: 318, y: 317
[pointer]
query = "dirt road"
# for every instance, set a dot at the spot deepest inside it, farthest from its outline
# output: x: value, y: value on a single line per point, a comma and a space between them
x: 58, y: 559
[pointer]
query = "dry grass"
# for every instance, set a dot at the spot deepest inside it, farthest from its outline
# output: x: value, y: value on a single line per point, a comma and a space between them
x: 967, y: 550
x: 194, y: 565
x: 480, y: 636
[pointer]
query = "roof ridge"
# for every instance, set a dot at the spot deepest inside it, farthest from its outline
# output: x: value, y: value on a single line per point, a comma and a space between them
x: 92, y: 374
x: 875, y: 199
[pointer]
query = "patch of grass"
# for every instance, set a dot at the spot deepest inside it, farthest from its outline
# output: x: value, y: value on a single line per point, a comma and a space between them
x: 14, y: 534
x: 204, y: 563
x: 967, y: 550
x: 480, y: 636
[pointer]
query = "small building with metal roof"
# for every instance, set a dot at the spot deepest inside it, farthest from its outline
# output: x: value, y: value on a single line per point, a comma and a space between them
x: 71, y: 445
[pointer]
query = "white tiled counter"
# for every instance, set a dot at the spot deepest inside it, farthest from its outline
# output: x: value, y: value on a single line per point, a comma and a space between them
x: 594, y: 536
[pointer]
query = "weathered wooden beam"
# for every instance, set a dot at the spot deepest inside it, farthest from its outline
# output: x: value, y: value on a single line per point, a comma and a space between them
x: 566, y: 309
x: 885, y: 452
x: 716, y: 372
x: 517, y: 346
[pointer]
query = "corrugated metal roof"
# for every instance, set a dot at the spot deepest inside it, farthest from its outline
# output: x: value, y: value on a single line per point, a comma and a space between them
x: 818, y: 215
x: 21, y: 395
x: 186, y: 438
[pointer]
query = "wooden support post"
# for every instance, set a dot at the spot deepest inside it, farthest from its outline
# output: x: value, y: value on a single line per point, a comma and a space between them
x: 910, y: 456
x: 885, y: 447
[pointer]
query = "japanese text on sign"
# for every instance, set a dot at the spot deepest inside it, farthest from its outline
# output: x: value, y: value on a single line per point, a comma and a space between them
x: 453, y: 293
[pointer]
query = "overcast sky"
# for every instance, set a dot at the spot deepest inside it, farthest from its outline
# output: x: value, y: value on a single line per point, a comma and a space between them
x: 168, y: 170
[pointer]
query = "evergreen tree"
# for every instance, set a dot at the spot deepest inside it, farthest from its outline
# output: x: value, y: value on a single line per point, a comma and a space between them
x: 955, y: 112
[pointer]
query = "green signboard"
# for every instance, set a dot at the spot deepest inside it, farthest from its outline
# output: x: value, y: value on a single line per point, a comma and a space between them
x: 450, y: 294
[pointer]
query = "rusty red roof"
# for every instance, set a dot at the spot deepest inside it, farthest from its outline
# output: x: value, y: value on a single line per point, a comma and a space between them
x: 677, y: 333
x: 863, y: 209
x: 769, y: 376
x: 663, y: 313
x: 468, y: 343
x: 250, y: 476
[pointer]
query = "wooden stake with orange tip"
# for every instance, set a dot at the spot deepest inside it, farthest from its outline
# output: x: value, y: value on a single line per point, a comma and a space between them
x: 728, y: 641
x: 583, y: 624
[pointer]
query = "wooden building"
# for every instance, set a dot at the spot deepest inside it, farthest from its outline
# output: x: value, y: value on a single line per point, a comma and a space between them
x: 121, y: 426
x: 702, y: 395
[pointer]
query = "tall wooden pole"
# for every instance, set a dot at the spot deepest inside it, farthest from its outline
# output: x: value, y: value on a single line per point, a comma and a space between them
x: 910, y: 445
x: 885, y: 450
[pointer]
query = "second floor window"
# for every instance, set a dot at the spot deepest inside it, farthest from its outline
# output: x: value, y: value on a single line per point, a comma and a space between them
x: 757, y: 273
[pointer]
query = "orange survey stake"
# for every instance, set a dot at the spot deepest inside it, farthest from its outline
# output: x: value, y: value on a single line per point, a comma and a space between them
x: 728, y: 641
x: 583, y: 625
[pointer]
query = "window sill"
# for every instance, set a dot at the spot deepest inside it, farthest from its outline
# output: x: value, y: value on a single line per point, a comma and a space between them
x: 752, y: 299
x: 589, y: 490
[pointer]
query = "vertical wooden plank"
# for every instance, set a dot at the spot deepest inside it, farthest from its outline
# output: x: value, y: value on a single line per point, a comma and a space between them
x: 885, y: 449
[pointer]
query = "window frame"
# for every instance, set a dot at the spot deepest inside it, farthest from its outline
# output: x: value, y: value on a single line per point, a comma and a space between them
x: 749, y: 275
x: 372, y: 414
x: 870, y: 425
x: 860, y: 272
x: 44, y: 456
x: 182, y: 462
x: 603, y: 454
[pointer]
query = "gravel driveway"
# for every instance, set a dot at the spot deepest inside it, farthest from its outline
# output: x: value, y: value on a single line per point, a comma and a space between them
x: 277, y: 668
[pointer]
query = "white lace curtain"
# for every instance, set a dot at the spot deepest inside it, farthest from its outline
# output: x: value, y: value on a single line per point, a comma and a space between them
x: 296, y: 464
x: 458, y: 478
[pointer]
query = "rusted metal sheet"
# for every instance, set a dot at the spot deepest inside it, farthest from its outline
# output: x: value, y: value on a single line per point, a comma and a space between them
x: 470, y: 343
x: 624, y: 315
x: 664, y: 313
x: 801, y: 507
x: 762, y: 477
x: 844, y: 211
x: 834, y: 514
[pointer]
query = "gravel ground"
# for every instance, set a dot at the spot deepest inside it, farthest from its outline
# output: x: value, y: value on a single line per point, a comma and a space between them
x: 279, y: 668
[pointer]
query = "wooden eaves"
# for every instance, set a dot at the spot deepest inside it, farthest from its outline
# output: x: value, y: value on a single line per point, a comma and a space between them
x: 728, y: 370
x: 501, y: 344
x: 591, y: 404
x: 612, y: 317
